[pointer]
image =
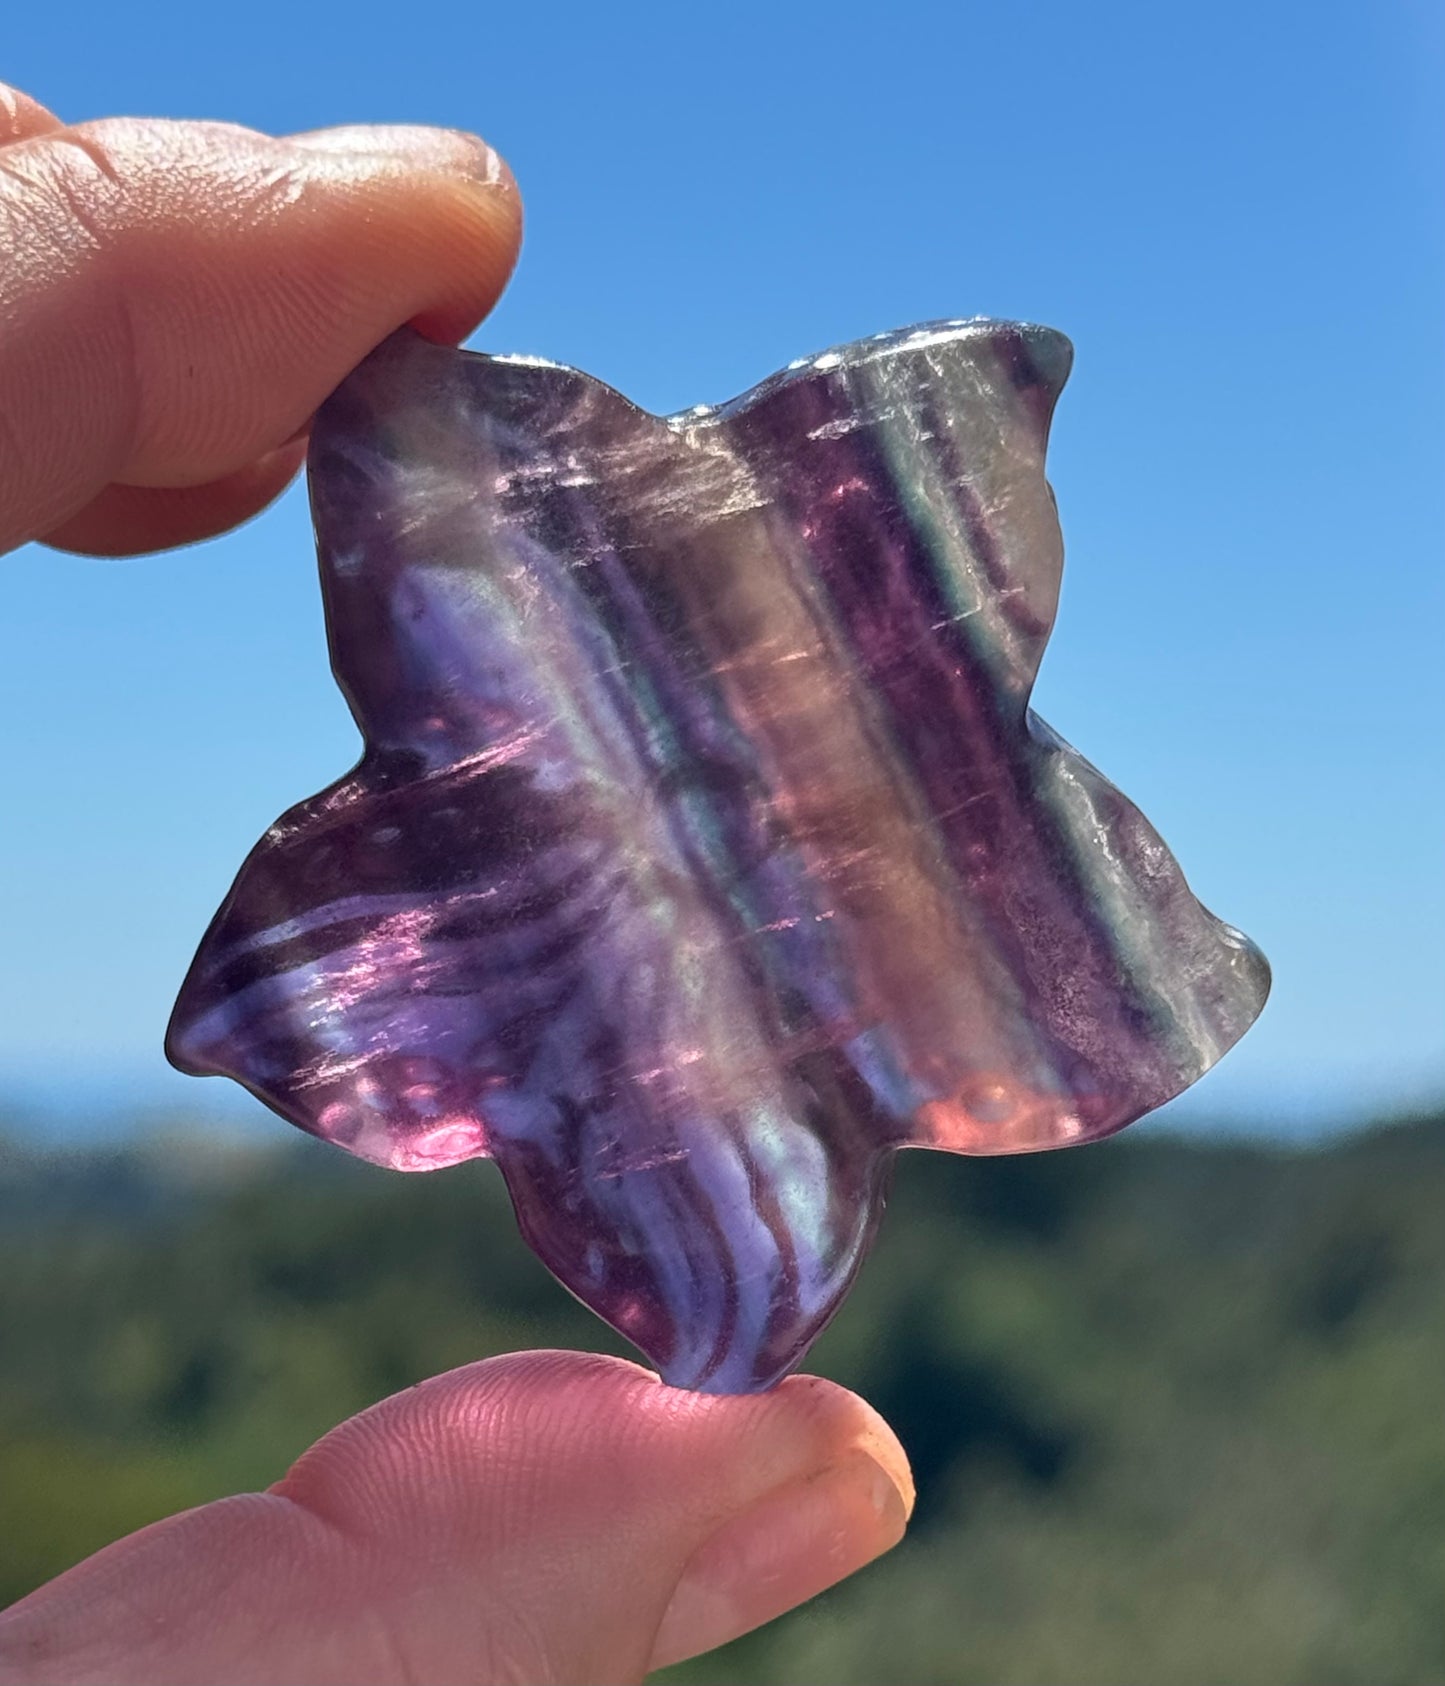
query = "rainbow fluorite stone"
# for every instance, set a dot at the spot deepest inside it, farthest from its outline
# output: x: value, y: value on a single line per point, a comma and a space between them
x: 705, y: 850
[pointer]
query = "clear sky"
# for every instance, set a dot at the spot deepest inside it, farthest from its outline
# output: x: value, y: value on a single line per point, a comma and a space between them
x: 1235, y: 212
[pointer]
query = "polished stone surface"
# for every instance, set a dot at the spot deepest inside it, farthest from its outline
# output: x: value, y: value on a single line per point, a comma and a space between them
x: 705, y: 850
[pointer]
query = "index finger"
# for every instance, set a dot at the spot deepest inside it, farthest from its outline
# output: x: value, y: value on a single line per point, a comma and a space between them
x: 179, y: 297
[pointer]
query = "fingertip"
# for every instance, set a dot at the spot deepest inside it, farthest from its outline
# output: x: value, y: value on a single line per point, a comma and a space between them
x: 476, y: 214
x: 789, y: 1546
x: 848, y: 1502
x: 585, y: 1426
x: 645, y: 1523
x: 490, y: 225
x: 22, y: 117
x: 690, y: 1518
x: 851, y: 1425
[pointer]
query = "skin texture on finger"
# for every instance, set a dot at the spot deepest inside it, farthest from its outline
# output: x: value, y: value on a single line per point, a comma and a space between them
x: 547, y: 1517
x: 179, y: 297
x: 21, y: 117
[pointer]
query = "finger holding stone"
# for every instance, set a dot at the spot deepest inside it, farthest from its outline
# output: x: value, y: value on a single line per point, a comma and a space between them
x: 21, y: 116
x: 181, y: 296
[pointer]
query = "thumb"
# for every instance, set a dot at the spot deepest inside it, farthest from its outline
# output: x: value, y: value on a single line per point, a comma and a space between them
x: 545, y: 1517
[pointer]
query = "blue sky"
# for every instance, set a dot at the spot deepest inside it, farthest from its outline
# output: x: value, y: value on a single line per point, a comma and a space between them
x: 1233, y: 210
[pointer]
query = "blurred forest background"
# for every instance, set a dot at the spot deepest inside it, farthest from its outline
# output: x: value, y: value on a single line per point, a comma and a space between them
x: 1174, y: 1409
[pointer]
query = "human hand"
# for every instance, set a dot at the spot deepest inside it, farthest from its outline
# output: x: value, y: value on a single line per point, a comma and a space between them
x: 176, y: 299
x: 536, y: 1518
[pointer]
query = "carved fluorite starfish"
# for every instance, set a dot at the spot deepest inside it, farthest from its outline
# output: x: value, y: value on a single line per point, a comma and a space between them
x: 705, y: 850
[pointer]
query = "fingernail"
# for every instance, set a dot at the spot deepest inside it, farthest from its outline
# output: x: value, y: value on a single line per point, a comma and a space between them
x: 450, y: 151
x: 791, y: 1545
